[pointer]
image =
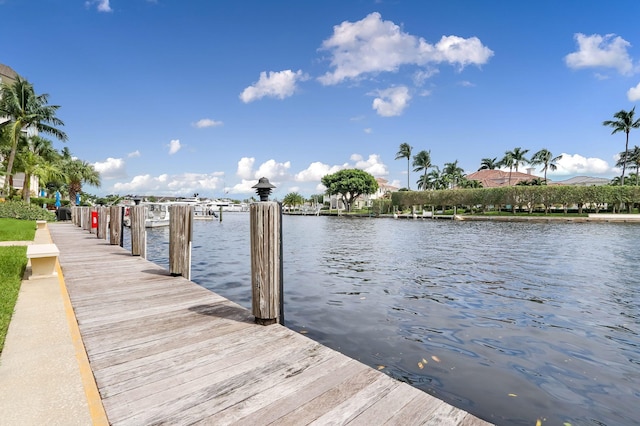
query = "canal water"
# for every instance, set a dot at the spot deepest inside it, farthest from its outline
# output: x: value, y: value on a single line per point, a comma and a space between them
x: 513, y: 322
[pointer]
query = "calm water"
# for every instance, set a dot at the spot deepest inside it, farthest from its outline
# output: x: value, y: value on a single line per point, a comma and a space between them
x: 512, y: 322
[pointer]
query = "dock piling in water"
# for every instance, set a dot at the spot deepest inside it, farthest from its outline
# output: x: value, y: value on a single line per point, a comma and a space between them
x: 180, y: 237
x: 137, y: 215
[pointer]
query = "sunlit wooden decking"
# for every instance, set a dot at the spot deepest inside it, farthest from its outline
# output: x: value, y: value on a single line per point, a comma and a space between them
x: 164, y: 350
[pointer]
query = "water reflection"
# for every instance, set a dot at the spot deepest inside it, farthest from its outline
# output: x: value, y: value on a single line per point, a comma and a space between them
x: 513, y: 322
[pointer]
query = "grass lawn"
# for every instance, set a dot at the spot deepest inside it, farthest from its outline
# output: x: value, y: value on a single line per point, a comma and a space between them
x: 14, y: 261
x: 17, y: 230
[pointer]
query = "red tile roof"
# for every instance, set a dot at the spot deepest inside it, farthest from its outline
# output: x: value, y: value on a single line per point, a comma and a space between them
x: 497, y: 178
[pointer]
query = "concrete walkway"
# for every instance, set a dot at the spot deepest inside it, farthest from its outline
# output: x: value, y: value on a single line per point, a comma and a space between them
x: 43, y: 376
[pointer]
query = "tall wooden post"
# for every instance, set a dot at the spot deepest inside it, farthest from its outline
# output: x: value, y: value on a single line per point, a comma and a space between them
x: 103, y: 222
x: 265, y: 261
x: 138, y: 214
x: 115, y: 225
x: 86, y: 219
x: 180, y: 237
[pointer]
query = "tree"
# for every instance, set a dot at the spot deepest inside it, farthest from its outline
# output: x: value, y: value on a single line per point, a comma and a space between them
x: 489, y: 163
x: 513, y: 159
x: 547, y: 159
x: 624, y: 123
x: 350, y: 184
x: 293, y: 199
x: 452, y: 173
x: 26, y: 111
x: 632, y: 157
x: 37, y: 158
x: 78, y: 172
x: 405, y: 152
x: 422, y: 162
x: 435, y: 179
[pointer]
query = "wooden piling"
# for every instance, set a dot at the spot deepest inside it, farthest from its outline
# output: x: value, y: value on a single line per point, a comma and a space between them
x: 137, y: 215
x: 180, y: 237
x: 103, y: 222
x: 86, y: 218
x: 115, y: 225
x: 265, y: 261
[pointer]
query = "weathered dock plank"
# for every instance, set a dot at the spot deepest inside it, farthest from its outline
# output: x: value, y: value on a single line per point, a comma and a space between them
x: 164, y: 350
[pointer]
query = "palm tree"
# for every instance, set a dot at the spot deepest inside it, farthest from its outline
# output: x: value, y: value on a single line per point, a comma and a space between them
x: 623, y: 123
x: 37, y: 158
x: 489, y: 163
x: 26, y: 111
x: 453, y: 173
x: 405, y: 152
x: 78, y: 172
x: 632, y: 157
x: 422, y: 162
x: 435, y: 179
x: 545, y: 157
x: 513, y: 159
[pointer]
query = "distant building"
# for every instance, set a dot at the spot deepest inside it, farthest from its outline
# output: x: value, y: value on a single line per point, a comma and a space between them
x: 584, y: 181
x: 498, y: 178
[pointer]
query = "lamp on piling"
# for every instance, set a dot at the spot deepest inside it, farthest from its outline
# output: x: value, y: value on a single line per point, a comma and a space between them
x: 263, y: 188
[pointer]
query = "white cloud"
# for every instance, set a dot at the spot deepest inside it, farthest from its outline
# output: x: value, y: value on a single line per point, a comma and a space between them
x: 177, y: 185
x: 372, y: 45
x: 111, y: 168
x: 392, y: 101
x: 270, y: 169
x: 633, y: 94
x: 316, y: 171
x: 279, y: 85
x: 174, y: 146
x: 609, y: 51
x: 372, y: 165
x: 134, y: 154
x: 368, y: 130
x: 245, y: 168
x: 103, y: 5
x: 421, y: 76
x: 273, y: 170
x: 465, y: 83
x: 576, y: 164
x: 207, y: 122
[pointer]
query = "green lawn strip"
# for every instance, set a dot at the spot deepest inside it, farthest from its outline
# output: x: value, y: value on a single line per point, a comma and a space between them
x: 17, y: 229
x: 13, y: 261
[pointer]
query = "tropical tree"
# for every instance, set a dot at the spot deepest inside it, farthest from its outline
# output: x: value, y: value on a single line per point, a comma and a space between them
x: 513, y: 159
x: 435, y: 179
x: 489, y: 163
x: 547, y: 159
x: 405, y: 152
x: 28, y: 112
x: 624, y: 122
x: 77, y: 173
x: 422, y: 162
x: 632, y: 157
x: 37, y: 158
x: 293, y: 199
x: 350, y: 184
x: 452, y: 173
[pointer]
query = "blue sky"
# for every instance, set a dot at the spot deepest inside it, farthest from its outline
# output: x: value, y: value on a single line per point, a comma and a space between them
x: 173, y: 97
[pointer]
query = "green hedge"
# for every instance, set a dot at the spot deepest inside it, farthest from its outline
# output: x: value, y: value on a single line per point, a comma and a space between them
x: 20, y: 210
x: 525, y: 198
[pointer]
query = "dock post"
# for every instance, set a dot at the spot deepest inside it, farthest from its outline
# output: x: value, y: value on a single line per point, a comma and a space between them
x: 92, y: 229
x: 266, y: 270
x: 138, y: 231
x: 180, y: 237
x: 103, y: 222
x: 115, y: 225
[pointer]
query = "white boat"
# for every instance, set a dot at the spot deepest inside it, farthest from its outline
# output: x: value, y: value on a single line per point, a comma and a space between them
x: 157, y: 214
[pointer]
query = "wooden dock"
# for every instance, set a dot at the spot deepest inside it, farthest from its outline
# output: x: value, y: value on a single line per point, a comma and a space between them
x: 164, y: 350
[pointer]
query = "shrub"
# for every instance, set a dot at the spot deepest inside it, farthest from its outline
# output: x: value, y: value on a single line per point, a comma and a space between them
x: 20, y: 210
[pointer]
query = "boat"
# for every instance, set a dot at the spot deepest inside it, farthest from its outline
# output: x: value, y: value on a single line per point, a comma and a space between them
x: 157, y: 215
x: 158, y: 212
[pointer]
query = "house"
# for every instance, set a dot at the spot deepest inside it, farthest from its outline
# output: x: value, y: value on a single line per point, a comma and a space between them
x: 498, y: 178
